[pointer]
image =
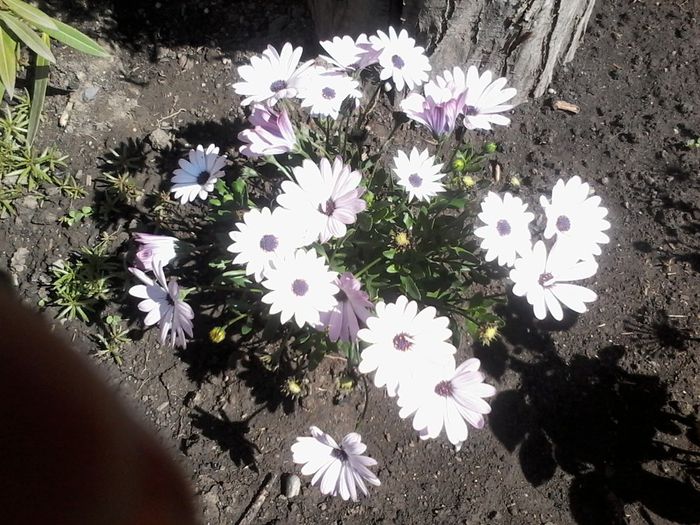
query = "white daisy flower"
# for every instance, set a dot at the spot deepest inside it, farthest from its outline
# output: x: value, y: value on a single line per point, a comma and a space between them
x: 324, y: 91
x: 545, y: 280
x: 402, y: 341
x: 400, y: 59
x: 162, y: 304
x: 484, y: 99
x: 576, y: 219
x: 263, y: 238
x: 337, y: 469
x: 326, y: 197
x: 196, y: 177
x: 346, y: 53
x: 506, y: 232
x: 418, y: 174
x: 449, y: 398
x: 272, y: 76
x: 301, y: 286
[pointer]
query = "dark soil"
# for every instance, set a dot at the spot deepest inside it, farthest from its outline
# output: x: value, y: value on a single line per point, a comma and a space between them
x: 597, y: 418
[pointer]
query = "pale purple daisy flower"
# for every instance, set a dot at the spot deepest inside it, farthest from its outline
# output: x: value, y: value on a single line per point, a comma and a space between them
x: 346, y: 52
x: 402, y: 340
x: 272, y: 133
x: 506, y: 231
x: 161, y: 248
x: 336, y: 469
x: 301, y: 287
x: 485, y: 98
x: 163, y: 305
x: 326, y: 196
x: 449, y: 398
x: 325, y: 90
x: 546, y: 280
x: 576, y: 217
x: 400, y: 59
x: 439, y: 117
x: 350, y: 312
x: 271, y: 76
x: 418, y: 174
x: 196, y: 177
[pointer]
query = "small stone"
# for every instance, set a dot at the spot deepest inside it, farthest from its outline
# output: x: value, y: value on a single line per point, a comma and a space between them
x: 160, y: 139
x: 29, y: 202
x: 90, y: 93
x: 291, y: 485
x: 18, y: 261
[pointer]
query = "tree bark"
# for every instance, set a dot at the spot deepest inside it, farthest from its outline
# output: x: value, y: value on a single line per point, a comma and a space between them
x: 522, y: 39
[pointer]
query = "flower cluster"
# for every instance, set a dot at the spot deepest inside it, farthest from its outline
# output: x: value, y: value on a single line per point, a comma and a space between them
x: 575, y: 226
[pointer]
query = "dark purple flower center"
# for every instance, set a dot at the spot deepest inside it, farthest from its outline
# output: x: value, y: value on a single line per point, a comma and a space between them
x: 203, y: 177
x: 470, y: 111
x: 300, y: 287
x: 328, y: 93
x: 563, y: 223
x: 328, y: 209
x: 503, y: 227
x: 402, y: 342
x: 444, y: 388
x: 339, y: 453
x: 269, y: 243
x: 398, y: 62
x: 278, y: 85
x: 545, y: 278
x: 341, y: 296
x: 415, y: 181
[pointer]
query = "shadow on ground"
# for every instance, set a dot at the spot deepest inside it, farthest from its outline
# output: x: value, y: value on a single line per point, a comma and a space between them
x: 597, y: 422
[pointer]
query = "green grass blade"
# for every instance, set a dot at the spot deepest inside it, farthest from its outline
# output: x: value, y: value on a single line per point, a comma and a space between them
x: 31, y: 14
x: 75, y: 39
x: 41, y: 81
x: 25, y: 33
x: 8, y: 62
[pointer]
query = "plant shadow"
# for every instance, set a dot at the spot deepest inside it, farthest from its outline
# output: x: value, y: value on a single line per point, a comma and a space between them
x: 608, y: 428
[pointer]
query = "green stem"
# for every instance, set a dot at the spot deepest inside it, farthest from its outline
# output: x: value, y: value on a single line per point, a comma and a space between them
x: 367, y: 267
x: 272, y: 160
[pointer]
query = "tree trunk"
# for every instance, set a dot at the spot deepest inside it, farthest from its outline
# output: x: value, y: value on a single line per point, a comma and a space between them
x: 521, y: 39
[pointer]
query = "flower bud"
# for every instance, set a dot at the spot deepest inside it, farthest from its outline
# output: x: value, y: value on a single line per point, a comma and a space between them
x: 458, y: 165
x: 217, y: 334
x: 490, y: 147
x: 515, y: 181
x: 292, y: 387
x: 488, y: 334
x: 468, y: 181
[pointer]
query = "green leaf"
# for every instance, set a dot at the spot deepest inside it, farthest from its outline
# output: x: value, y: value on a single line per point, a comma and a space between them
x: 409, y: 286
x: 41, y: 82
x: 31, y: 14
x: 26, y: 35
x: 75, y: 39
x: 8, y: 62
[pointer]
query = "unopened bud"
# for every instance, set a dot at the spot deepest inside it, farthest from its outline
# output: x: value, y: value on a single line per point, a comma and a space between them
x: 490, y: 147
x: 458, y: 165
x: 468, y: 181
x: 217, y: 334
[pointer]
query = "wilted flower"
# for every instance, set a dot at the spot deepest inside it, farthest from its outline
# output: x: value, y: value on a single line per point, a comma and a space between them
x: 347, y: 53
x: 449, y: 398
x: 351, y: 310
x: 506, y: 232
x: 161, y: 248
x: 272, y: 133
x: 301, y: 286
x: 576, y: 219
x: 400, y: 59
x: 162, y: 304
x: 487, y: 334
x: 401, y: 341
x: 545, y: 280
x: 418, y: 174
x: 324, y: 91
x: 196, y: 177
x: 326, y: 197
x: 337, y: 469
x: 264, y: 237
x: 272, y: 76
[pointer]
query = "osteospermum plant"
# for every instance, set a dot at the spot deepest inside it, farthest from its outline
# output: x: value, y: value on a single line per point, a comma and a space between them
x: 326, y: 241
